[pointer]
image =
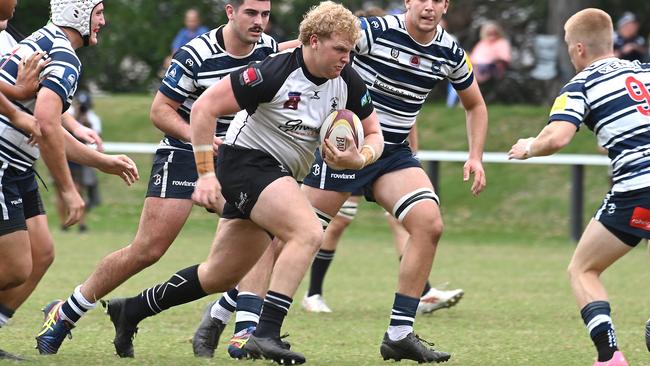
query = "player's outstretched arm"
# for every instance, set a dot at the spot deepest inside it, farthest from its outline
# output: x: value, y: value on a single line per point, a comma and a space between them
x: 477, y: 124
x: 120, y: 165
x: 218, y: 100
x: 550, y: 140
x: 51, y: 144
x: 83, y: 133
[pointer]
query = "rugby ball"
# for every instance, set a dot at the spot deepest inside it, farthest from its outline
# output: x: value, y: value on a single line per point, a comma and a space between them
x: 338, y: 125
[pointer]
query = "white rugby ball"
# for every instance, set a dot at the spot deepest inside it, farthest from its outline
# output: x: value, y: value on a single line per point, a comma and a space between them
x: 338, y: 125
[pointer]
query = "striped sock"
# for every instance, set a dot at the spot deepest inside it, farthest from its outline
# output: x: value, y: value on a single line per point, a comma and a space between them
x: 276, y: 308
x: 5, y: 315
x: 319, y: 269
x: 75, y: 307
x: 402, y: 317
x: 249, y: 308
x: 224, y: 308
x: 596, y: 316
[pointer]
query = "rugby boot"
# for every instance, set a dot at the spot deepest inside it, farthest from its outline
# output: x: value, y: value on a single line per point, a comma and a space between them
x: 124, y: 330
x: 436, y: 299
x: 411, y: 348
x: 616, y: 360
x: 238, y: 341
x: 53, y: 331
x: 272, y: 348
x: 207, y: 334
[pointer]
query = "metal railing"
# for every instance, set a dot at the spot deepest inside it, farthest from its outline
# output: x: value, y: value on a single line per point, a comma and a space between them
x: 431, y: 162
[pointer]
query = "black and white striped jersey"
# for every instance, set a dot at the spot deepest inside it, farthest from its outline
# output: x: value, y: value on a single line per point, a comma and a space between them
x: 400, y: 72
x: 61, y: 75
x: 284, y: 107
x: 198, y: 65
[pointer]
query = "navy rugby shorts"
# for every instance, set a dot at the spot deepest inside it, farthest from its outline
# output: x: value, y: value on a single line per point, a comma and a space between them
x: 20, y: 198
x: 626, y: 215
x: 173, y: 174
x: 394, y: 157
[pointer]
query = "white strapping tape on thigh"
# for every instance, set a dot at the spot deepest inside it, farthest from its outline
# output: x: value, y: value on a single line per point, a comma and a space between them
x: 409, y: 200
x: 348, y: 210
x: 324, y: 218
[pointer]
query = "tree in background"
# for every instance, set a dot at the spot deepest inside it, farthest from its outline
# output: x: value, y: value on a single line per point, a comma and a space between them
x: 137, y: 38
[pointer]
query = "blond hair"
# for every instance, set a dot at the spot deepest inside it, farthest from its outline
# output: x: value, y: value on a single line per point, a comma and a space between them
x: 327, y: 18
x: 593, y: 28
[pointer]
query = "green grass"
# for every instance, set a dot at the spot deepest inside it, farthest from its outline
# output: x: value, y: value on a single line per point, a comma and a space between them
x: 508, y: 249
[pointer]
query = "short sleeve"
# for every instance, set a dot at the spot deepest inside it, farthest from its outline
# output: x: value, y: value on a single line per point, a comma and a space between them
x: 256, y: 83
x: 179, y: 81
x: 62, y: 75
x: 570, y: 105
x: 359, y: 100
x: 462, y: 75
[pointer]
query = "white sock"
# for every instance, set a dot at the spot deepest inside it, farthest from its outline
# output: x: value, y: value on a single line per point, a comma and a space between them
x: 398, y: 332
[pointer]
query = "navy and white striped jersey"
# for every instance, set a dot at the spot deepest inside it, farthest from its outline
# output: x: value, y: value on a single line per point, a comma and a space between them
x: 284, y: 107
x: 612, y: 99
x: 400, y: 73
x: 198, y: 65
x: 61, y: 76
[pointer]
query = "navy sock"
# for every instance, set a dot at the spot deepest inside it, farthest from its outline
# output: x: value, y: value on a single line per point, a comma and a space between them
x: 5, y: 315
x: 249, y: 308
x: 276, y: 308
x: 596, y: 316
x: 319, y: 269
x: 181, y: 288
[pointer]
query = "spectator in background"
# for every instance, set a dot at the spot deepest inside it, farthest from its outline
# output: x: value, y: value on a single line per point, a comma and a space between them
x: 491, y: 55
x: 84, y: 177
x: 193, y: 28
x: 628, y: 44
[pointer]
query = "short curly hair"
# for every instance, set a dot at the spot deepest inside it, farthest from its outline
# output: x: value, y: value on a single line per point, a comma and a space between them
x: 327, y: 18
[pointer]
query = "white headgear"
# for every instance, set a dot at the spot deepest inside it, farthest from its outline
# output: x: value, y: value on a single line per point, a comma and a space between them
x: 75, y: 14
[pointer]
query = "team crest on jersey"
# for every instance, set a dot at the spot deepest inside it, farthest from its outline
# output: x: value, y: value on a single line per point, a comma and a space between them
x: 394, y: 53
x: 189, y: 62
x: 334, y: 104
x: 375, y: 24
x: 250, y: 77
x: 294, y: 99
x: 415, y: 61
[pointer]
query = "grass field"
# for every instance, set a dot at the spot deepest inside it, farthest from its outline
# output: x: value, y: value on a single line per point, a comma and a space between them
x: 508, y: 249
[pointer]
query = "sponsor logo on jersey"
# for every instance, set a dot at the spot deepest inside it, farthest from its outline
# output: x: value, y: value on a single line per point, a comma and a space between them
x: 250, y: 77
x: 393, y: 90
x: 294, y: 99
x: 17, y: 202
x: 640, y: 218
x: 560, y: 103
x: 394, y: 53
x: 296, y: 129
x: 365, y: 99
x: 316, y: 96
